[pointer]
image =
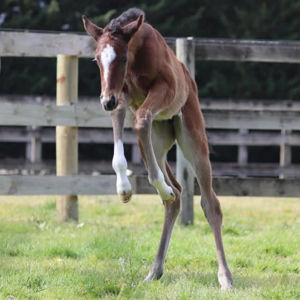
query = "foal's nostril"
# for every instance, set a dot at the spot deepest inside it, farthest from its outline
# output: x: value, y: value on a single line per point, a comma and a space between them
x: 113, y: 101
x: 110, y: 104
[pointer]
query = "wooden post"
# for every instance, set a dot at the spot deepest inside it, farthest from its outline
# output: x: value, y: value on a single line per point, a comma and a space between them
x: 243, y: 152
x: 34, y: 146
x: 67, y: 137
x: 285, y: 152
x: 185, y: 51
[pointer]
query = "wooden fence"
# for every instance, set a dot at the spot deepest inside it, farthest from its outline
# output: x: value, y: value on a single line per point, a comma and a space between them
x: 236, y: 116
x: 36, y: 136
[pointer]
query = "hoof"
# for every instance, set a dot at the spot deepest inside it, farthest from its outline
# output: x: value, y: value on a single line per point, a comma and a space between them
x: 225, y: 280
x: 153, y: 276
x: 125, y: 196
x: 227, y: 287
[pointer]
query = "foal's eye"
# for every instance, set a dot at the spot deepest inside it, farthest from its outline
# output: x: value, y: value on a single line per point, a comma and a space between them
x: 123, y: 60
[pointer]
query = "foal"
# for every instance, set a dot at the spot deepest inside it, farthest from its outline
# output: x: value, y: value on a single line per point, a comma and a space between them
x: 138, y: 70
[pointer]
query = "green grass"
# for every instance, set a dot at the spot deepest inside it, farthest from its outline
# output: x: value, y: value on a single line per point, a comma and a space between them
x: 109, y: 252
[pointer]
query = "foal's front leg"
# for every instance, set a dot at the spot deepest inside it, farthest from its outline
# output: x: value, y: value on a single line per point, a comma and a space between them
x: 119, y: 162
x: 143, y: 124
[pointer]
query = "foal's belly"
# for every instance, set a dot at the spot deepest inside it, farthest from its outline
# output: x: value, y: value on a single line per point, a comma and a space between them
x: 174, y: 108
x: 169, y: 112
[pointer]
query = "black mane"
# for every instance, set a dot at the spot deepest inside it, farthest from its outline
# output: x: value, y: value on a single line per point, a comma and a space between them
x: 125, y: 18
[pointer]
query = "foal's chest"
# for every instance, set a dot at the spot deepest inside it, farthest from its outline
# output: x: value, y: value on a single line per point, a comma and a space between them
x: 135, y: 91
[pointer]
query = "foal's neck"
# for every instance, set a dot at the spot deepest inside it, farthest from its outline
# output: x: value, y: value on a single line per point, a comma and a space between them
x: 136, y: 43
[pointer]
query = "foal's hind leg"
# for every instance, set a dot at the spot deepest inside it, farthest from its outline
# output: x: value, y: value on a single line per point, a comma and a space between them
x: 191, y: 137
x: 163, y: 139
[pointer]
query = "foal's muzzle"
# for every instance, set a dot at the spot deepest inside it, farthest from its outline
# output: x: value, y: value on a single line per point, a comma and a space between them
x: 109, y: 104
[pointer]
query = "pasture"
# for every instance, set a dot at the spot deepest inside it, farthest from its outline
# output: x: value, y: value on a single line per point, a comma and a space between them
x: 107, y: 254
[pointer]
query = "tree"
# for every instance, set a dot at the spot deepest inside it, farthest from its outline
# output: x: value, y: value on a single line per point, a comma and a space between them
x: 245, y: 19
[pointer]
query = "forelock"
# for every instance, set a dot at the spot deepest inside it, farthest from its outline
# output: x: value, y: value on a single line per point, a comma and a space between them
x: 126, y: 17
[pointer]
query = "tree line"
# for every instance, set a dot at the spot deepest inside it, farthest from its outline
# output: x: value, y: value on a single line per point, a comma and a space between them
x: 240, y: 19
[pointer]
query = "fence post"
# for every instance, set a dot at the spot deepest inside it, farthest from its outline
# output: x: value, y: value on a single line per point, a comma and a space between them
x: 34, y: 146
x: 185, y: 51
x: 67, y: 137
x: 285, y: 153
x: 242, y: 152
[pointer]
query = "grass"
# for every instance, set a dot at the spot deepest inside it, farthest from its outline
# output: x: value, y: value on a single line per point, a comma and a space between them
x: 108, y: 253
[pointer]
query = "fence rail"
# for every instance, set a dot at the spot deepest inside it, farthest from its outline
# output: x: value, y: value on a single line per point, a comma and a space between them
x: 105, y: 184
x: 91, y: 135
x: 34, y: 44
x: 260, y: 116
x: 267, y: 128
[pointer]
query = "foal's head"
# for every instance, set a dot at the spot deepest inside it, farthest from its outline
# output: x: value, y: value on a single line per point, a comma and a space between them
x: 111, y: 56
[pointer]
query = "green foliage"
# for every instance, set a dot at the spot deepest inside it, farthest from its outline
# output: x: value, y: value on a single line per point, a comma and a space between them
x: 107, y: 255
x: 209, y: 18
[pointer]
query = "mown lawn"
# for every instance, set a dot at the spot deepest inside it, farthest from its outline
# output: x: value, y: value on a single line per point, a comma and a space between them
x: 108, y: 253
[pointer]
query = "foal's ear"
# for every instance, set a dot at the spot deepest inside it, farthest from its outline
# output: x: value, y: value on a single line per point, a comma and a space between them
x: 130, y: 29
x: 92, y: 29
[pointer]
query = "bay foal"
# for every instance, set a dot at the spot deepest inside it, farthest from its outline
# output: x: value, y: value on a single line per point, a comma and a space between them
x: 138, y: 70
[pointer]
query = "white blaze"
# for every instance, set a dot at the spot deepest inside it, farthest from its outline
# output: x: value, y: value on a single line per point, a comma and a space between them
x: 108, y: 55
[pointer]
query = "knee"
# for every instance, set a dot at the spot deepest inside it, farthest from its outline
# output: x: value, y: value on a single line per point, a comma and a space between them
x: 142, y: 123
